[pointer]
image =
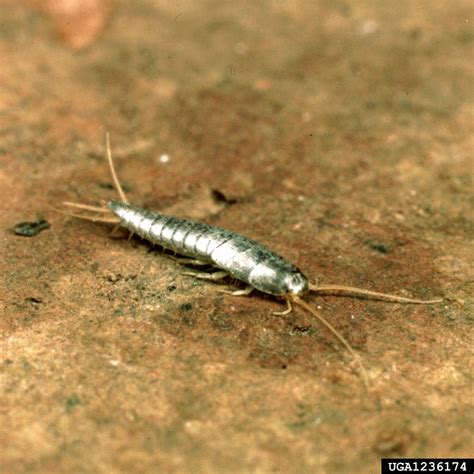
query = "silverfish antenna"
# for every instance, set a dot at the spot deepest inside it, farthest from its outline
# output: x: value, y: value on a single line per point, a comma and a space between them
x: 343, y: 341
x: 374, y: 294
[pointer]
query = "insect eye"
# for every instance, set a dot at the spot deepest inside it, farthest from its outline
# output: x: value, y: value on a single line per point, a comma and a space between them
x: 297, y: 284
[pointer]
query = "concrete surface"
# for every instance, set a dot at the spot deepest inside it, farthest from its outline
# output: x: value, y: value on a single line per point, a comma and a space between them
x: 337, y: 133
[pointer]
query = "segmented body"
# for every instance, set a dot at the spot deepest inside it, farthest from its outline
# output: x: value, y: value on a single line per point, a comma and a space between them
x: 243, y: 258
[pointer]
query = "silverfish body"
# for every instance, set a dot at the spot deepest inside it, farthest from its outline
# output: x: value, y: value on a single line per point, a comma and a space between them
x: 236, y: 255
x: 243, y: 258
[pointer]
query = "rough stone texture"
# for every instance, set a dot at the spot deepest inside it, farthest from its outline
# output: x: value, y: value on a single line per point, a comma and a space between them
x: 337, y: 133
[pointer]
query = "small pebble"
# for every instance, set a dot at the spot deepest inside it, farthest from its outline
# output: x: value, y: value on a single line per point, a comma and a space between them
x: 30, y: 229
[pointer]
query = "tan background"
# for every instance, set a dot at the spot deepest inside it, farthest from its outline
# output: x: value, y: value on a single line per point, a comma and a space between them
x: 337, y: 133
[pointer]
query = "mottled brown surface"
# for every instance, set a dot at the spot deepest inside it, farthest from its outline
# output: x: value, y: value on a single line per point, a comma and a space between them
x: 338, y: 135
